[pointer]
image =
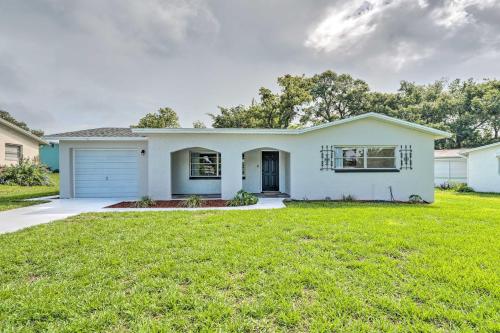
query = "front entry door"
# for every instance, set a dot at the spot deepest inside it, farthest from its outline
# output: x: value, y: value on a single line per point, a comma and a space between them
x: 270, y: 171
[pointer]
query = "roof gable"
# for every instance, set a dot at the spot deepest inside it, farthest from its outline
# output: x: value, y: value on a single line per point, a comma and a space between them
x: 466, y: 152
x: 22, y: 131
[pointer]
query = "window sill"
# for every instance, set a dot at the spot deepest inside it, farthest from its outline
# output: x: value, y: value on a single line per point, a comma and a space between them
x: 365, y: 170
x: 204, y: 178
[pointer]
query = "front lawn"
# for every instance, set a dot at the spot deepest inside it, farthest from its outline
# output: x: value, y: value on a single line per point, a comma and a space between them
x: 12, y: 196
x: 309, y: 267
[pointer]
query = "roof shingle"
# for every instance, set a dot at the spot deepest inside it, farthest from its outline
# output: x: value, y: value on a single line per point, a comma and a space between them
x: 103, y: 132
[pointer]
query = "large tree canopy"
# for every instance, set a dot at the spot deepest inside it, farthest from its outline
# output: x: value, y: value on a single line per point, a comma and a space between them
x: 164, y: 118
x: 7, y: 116
x: 468, y: 109
x: 336, y: 97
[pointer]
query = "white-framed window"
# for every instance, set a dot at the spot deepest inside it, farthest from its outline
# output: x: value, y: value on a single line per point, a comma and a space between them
x: 13, y: 152
x: 204, y: 164
x: 366, y: 157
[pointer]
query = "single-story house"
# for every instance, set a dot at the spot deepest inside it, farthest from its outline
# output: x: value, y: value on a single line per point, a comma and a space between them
x: 16, y: 143
x: 49, y: 155
x: 370, y: 157
x: 483, y: 168
x: 449, y: 166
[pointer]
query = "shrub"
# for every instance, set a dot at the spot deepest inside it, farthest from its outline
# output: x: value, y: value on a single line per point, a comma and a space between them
x: 243, y: 198
x: 145, y: 202
x: 446, y: 186
x: 193, y: 201
x: 415, y: 198
x: 347, y: 198
x: 462, y: 188
x: 26, y: 173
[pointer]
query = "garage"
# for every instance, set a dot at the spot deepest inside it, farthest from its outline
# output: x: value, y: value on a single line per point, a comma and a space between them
x: 450, y: 166
x: 106, y: 173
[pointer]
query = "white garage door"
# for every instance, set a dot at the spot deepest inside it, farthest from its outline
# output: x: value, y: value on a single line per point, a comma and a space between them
x: 106, y: 173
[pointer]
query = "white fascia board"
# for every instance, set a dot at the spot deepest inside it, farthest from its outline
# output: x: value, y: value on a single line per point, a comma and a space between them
x: 213, y: 131
x: 466, y: 152
x: 100, y: 138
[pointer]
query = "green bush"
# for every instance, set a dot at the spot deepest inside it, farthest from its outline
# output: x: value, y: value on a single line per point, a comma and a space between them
x: 26, y: 173
x: 415, y: 198
x: 348, y: 198
x: 462, y: 188
x: 243, y: 198
x: 446, y: 186
x: 145, y: 202
x: 193, y: 201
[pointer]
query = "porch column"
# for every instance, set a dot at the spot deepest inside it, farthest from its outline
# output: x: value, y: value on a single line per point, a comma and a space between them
x: 231, y: 173
x: 159, y: 174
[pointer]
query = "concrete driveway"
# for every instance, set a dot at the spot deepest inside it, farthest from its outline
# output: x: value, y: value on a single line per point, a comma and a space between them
x: 57, y: 209
x: 16, y: 219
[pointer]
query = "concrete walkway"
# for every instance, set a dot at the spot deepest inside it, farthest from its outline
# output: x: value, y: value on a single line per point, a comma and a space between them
x: 57, y: 209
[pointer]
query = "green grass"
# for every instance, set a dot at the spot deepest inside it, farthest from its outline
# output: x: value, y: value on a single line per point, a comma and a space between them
x: 309, y: 267
x: 12, y: 196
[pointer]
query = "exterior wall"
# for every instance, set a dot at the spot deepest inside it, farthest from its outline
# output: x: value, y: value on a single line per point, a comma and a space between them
x: 484, y: 170
x: 306, y: 178
x: 8, y: 135
x: 450, y: 170
x: 253, y: 174
x: 66, y: 149
x: 49, y: 155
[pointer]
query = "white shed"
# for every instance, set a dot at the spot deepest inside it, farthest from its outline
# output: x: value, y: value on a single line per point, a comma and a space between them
x: 449, y: 166
x: 484, y: 168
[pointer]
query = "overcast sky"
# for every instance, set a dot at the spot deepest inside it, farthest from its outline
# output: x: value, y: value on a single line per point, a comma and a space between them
x: 68, y: 65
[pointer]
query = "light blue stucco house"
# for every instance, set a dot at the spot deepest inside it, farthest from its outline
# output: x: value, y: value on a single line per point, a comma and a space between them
x: 49, y: 155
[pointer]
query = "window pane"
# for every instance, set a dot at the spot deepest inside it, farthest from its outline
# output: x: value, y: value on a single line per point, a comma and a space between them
x: 203, y: 170
x: 353, y: 163
x: 352, y: 152
x: 353, y: 157
x: 203, y: 158
x: 381, y: 162
x: 12, y: 152
x: 380, y: 152
x: 204, y: 165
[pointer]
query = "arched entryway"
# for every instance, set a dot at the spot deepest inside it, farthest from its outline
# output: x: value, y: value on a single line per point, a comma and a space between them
x: 266, y: 170
x: 196, y: 170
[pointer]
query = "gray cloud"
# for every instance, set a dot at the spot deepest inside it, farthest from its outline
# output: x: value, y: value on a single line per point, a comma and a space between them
x: 68, y: 65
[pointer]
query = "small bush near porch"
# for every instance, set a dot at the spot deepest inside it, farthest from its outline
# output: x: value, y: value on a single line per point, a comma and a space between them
x: 310, y: 267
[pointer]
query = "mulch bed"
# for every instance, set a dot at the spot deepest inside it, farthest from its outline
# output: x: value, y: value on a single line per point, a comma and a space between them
x: 171, y: 204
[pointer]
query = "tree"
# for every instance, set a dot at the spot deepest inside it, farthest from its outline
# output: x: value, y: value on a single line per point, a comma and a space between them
x: 199, y: 124
x: 8, y: 117
x: 234, y: 117
x: 164, y: 118
x: 336, y: 97
x: 268, y: 110
x: 489, y: 104
x: 294, y: 95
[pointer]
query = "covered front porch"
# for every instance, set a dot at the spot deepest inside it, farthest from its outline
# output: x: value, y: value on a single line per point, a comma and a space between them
x: 209, y: 173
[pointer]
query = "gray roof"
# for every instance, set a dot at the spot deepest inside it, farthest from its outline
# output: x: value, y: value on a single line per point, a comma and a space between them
x: 104, y: 132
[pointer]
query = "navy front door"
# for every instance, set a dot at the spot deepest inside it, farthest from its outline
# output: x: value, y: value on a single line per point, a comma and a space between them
x: 270, y: 171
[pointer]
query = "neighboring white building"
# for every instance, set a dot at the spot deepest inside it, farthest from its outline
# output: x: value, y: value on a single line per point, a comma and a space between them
x: 449, y: 166
x: 367, y: 156
x: 483, y: 165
